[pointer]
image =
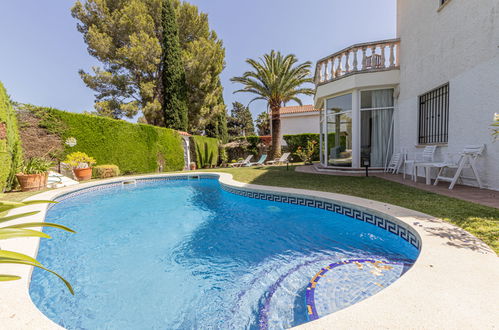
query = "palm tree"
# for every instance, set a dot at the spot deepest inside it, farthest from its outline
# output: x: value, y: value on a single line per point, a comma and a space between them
x: 276, y: 79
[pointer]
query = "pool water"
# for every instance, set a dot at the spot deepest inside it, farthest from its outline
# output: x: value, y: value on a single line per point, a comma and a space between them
x: 185, y: 254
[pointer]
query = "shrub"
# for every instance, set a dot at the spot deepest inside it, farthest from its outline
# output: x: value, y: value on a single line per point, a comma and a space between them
x: 134, y: 148
x: 205, y: 151
x: 306, y: 154
x: 105, y: 171
x: 301, y: 140
x: 79, y: 160
x: 10, y: 144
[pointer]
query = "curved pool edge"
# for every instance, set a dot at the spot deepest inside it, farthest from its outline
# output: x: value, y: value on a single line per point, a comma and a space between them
x: 452, y: 285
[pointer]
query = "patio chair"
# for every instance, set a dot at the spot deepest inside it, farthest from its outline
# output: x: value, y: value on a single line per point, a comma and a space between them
x: 244, y: 162
x: 467, y: 159
x: 279, y: 161
x: 260, y: 162
x: 394, y: 164
x: 426, y: 156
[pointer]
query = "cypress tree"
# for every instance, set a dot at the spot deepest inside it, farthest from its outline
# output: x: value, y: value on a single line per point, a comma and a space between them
x: 174, y: 96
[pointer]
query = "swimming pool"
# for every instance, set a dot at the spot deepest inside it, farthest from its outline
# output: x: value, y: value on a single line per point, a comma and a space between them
x: 183, y: 253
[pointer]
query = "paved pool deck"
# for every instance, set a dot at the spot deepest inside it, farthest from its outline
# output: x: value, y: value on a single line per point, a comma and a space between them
x: 452, y: 285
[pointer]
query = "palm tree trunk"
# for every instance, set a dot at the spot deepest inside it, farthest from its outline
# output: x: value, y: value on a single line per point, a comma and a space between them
x: 276, y: 132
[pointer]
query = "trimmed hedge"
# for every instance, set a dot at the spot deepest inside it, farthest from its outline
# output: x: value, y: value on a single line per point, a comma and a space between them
x: 205, y: 151
x: 10, y: 144
x: 300, y: 140
x: 134, y: 148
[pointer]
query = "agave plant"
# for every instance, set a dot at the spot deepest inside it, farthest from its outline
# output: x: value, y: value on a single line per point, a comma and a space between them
x: 21, y: 230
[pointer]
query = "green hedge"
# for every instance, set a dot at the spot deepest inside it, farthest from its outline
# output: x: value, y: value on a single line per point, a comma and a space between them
x: 300, y: 140
x: 205, y: 151
x: 134, y: 148
x: 10, y: 144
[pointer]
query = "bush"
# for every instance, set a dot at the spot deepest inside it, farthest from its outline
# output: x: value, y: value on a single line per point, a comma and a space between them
x: 205, y: 151
x: 105, y: 171
x: 134, y: 148
x: 301, y: 140
x: 10, y: 144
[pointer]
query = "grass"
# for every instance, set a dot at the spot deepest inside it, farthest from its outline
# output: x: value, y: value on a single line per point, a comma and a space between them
x: 481, y: 221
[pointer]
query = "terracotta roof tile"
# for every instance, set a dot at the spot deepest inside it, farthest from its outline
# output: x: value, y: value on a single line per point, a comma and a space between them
x: 298, y: 109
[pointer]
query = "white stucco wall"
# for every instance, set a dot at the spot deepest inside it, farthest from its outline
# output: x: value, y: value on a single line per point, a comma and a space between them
x: 300, y: 123
x: 457, y: 44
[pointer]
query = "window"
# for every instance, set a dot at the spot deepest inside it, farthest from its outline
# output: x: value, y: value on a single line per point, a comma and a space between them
x: 433, y: 116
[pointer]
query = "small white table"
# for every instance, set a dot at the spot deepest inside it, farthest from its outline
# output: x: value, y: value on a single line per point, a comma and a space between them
x: 427, y: 167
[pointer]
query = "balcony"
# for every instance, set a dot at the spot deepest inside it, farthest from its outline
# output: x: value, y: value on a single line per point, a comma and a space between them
x: 360, y: 58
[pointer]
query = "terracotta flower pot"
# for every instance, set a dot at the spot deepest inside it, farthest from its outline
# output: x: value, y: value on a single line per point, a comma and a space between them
x: 82, y: 174
x: 32, y: 182
x: 193, y: 166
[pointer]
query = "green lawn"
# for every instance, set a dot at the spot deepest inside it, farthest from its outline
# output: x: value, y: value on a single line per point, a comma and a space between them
x: 481, y: 221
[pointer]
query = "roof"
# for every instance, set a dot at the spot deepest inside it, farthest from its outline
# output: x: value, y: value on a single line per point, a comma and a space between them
x: 298, y: 109
x: 183, y: 133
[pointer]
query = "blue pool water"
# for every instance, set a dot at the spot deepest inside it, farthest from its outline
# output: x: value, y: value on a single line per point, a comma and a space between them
x: 186, y: 254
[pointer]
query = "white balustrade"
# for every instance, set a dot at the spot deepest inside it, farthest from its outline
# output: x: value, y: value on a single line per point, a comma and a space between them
x: 360, y: 58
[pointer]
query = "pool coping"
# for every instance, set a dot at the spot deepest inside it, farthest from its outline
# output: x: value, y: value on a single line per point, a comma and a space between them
x: 452, y: 285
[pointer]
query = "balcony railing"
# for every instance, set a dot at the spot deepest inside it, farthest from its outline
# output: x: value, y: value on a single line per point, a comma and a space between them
x: 361, y: 58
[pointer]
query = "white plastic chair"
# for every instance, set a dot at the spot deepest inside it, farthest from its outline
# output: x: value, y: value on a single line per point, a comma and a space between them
x: 467, y: 159
x: 395, y: 163
x: 426, y: 156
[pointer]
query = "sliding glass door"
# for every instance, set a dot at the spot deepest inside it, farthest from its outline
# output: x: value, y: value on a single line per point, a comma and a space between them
x: 376, y: 126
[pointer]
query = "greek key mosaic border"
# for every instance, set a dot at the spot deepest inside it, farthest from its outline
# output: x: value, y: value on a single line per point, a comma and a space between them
x: 372, y: 219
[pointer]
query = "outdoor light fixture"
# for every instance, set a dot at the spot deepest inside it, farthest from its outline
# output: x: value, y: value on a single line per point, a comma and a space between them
x: 366, y: 164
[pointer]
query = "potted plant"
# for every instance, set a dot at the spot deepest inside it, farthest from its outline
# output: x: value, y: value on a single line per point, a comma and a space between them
x: 34, y: 174
x: 81, y: 164
x: 192, y: 166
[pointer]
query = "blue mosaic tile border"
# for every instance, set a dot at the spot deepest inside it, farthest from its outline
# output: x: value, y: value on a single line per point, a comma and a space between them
x: 372, y: 219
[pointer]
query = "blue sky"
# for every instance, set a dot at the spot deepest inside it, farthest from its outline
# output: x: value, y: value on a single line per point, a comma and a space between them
x: 41, y: 51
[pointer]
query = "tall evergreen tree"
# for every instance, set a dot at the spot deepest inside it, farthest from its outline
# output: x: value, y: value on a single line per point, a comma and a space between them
x: 173, y: 89
x: 240, y: 122
x: 126, y: 36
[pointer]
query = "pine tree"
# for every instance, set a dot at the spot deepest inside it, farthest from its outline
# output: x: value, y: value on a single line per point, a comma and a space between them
x: 174, y: 104
x: 240, y: 122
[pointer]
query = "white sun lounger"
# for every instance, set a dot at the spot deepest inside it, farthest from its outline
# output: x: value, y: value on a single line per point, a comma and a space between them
x: 243, y: 163
x: 279, y: 161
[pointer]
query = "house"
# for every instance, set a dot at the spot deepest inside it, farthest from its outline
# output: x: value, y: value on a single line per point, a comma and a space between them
x: 437, y: 83
x: 299, y: 120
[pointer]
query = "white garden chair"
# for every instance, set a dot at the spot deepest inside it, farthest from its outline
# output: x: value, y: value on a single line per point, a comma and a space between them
x: 427, y: 156
x: 467, y: 159
x: 394, y: 164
